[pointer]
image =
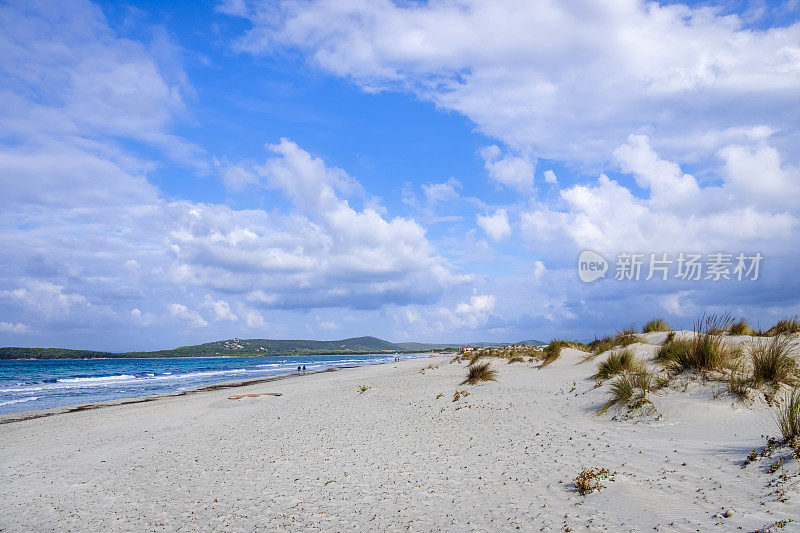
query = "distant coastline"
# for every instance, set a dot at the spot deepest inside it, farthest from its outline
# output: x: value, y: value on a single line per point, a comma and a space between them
x: 245, y: 348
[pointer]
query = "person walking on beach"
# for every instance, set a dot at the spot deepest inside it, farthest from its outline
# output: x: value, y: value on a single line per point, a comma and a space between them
x: 298, y: 368
x: 304, y: 368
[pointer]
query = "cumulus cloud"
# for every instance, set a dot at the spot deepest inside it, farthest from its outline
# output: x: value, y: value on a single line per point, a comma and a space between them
x: 441, y: 192
x: 513, y: 171
x: 322, y: 253
x: 14, y: 327
x: 676, y: 214
x: 188, y: 316
x: 496, y: 226
x: 552, y: 77
x: 253, y: 319
x: 471, y: 314
x: 220, y: 309
x: 550, y: 177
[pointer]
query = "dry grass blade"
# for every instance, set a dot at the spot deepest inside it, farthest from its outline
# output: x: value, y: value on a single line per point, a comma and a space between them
x: 478, y: 373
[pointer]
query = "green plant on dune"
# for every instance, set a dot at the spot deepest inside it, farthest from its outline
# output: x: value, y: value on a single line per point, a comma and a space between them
x: 788, y: 415
x: 739, y: 381
x: 675, y: 354
x: 741, y: 327
x: 774, y: 362
x: 785, y: 326
x: 553, y: 351
x: 628, y: 389
x: 479, y: 372
x: 705, y: 351
x: 362, y: 389
x: 655, y: 325
x: 616, y: 363
x: 589, y: 480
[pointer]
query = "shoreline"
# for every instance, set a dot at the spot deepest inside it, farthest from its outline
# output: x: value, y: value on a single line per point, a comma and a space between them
x: 21, y: 416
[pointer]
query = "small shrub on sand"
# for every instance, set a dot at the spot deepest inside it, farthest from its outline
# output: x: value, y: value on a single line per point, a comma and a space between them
x: 616, y: 363
x: 705, y: 351
x: 675, y: 355
x: 656, y: 324
x: 479, y: 372
x: 516, y: 360
x: 785, y: 326
x: 553, y: 351
x: 362, y: 389
x: 741, y: 327
x: 739, y: 381
x: 629, y: 389
x: 599, y: 346
x: 788, y: 415
x: 773, y: 362
x: 589, y: 480
x: 710, y: 352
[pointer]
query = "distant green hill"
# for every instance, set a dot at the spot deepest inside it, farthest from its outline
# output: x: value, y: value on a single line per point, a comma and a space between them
x: 237, y: 347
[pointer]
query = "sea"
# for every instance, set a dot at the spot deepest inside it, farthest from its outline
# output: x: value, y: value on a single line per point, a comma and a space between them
x: 27, y: 385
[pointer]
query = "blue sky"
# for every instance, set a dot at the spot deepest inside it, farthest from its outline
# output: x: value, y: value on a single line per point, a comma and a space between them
x: 180, y: 172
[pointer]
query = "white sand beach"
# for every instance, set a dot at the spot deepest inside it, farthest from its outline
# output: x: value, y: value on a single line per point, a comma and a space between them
x: 325, y: 457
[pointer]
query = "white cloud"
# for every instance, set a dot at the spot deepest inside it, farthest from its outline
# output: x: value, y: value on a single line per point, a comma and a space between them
x: 46, y: 300
x: 220, y: 309
x: 552, y: 77
x: 326, y: 324
x: 668, y: 185
x: 496, y: 226
x: 550, y: 177
x: 253, y: 319
x: 14, y: 327
x: 469, y: 315
x: 142, y: 319
x: 189, y: 317
x: 513, y: 171
x: 676, y: 215
x: 679, y: 303
x: 441, y: 192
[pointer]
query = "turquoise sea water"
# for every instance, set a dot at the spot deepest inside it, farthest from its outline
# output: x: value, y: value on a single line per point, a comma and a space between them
x: 28, y: 385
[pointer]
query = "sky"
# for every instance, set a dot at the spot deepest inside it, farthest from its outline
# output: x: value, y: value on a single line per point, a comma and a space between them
x: 174, y: 173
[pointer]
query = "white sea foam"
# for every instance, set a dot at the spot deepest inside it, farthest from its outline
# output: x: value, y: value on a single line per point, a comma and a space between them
x: 20, y: 400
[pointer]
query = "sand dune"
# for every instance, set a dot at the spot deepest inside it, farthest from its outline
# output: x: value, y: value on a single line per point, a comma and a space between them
x: 324, y: 456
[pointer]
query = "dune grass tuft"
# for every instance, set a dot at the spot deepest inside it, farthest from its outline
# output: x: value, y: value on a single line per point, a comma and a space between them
x: 705, y: 351
x: 616, y: 363
x: 479, y: 372
x: 629, y: 389
x: 676, y: 355
x: 788, y: 415
x: 739, y: 382
x: 785, y: 326
x: 553, y: 351
x: 741, y: 327
x: 774, y: 362
x: 656, y: 324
